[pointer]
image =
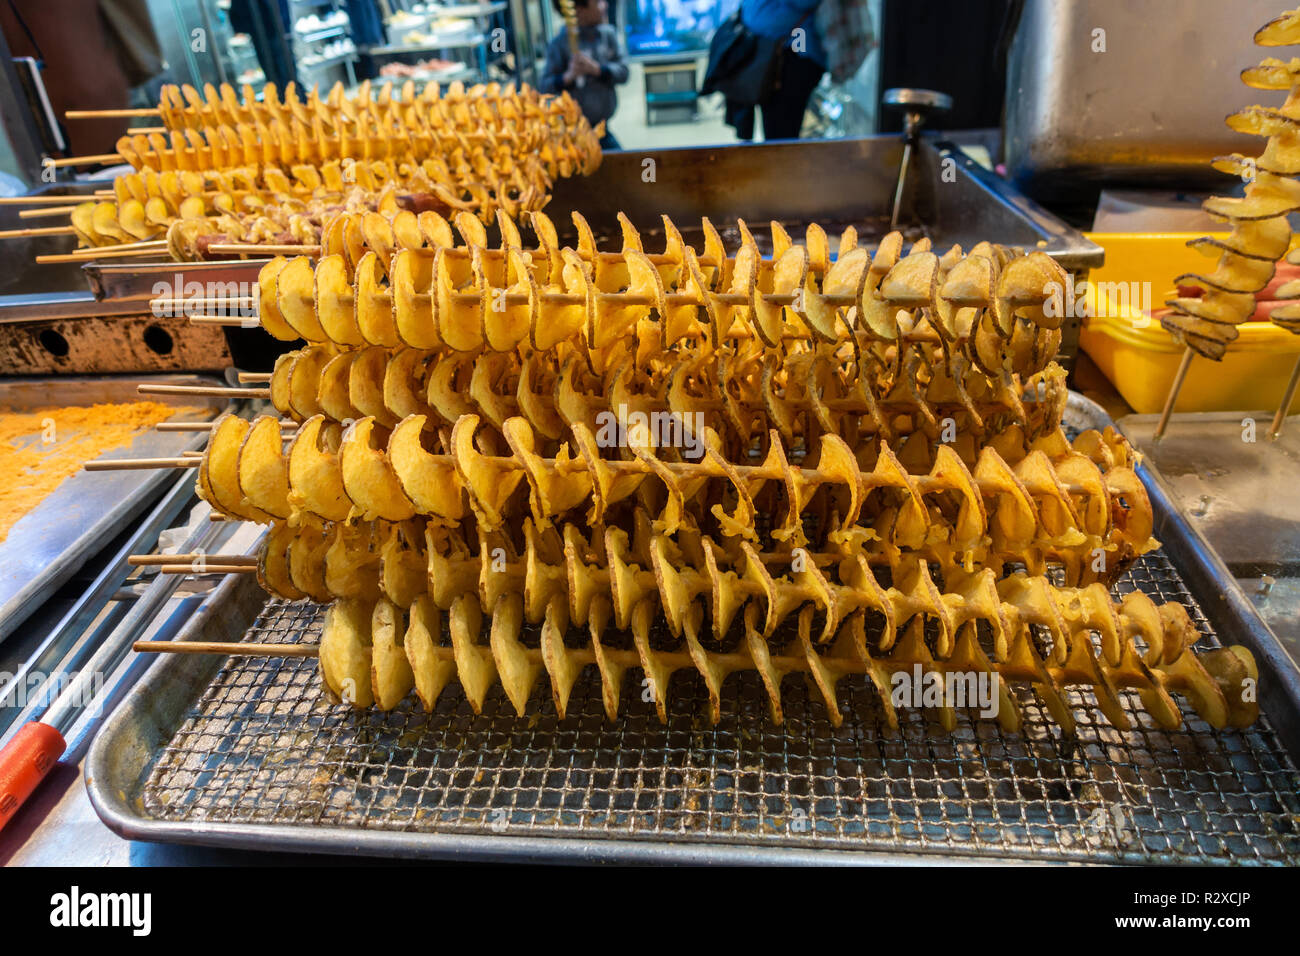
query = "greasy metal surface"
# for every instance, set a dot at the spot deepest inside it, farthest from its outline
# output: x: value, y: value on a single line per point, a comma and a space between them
x: 98, y: 344
x: 87, y: 510
x: 245, y: 753
x: 1243, y: 496
x: 1142, y: 102
x: 831, y: 182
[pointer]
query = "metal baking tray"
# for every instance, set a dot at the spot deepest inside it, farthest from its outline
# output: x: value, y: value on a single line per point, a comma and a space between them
x: 834, y: 182
x: 246, y: 753
x: 51, y: 542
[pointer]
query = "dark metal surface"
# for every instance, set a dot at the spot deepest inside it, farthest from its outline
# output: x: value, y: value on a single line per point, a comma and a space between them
x: 61, y: 636
x: 118, y: 279
x: 246, y: 753
x: 21, y: 276
x: 76, y: 335
x: 1242, y: 493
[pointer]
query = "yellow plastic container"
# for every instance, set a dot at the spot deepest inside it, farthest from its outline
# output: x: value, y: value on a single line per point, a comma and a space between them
x: 1140, y: 357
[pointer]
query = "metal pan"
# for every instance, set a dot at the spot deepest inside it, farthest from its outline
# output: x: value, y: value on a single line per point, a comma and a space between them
x: 52, y: 541
x: 245, y: 753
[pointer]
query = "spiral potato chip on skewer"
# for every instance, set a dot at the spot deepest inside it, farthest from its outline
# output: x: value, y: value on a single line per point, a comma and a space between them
x: 988, y: 312
x: 361, y: 665
x: 275, y: 174
x: 787, y: 617
x: 479, y: 120
x: 1035, y: 503
x: 996, y: 301
x: 680, y: 392
x: 1260, y: 233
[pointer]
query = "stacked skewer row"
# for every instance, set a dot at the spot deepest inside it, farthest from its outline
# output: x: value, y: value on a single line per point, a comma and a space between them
x: 510, y: 461
x: 271, y: 173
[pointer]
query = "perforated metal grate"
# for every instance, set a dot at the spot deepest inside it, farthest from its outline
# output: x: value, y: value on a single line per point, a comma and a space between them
x: 261, y: 745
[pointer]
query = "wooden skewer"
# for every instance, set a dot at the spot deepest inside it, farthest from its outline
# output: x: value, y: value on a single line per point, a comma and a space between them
x: 924, y: 484
x: 1174, y: 388
x: 207, y: 426
x: 266, y: 249
x: 150, y: 560
x: 43, y: 211
x: 1278, y: 419
x: 183, y: 427
x: 252, y: 248
x: 142, y: 250
x: 207, y: 568
x: 249, y: 377
x: 112, y: 114
x: 138, y: 244
x: 233, y: 321
x: 623, y: 298
x: 165, y: 303
x: 230, y: 649
x: 133, y: 464
x: 735, y: 333
x: 36, y: 200
x: 99, y: 253
x: 38, y: 231
x: 98, y: 158
x: 212, y: 390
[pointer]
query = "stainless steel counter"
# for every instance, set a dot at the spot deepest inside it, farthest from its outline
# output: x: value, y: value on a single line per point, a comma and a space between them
x: 1243, y: 496
x: 58, y: 827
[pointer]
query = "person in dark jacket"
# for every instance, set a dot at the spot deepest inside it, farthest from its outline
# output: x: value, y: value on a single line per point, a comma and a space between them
x: 803, y: 61
x: 268, y: 29
x: 591, y: 75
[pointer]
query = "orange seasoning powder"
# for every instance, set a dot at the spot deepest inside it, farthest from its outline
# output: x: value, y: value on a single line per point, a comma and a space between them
x: 39, y: 449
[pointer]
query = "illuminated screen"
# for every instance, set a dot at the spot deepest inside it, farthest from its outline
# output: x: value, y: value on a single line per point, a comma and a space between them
x: 673, y: 26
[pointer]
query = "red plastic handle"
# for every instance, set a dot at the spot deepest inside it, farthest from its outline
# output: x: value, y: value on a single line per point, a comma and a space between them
x: 24, y: 762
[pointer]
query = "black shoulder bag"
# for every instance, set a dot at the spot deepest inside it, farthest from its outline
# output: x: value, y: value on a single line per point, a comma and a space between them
x: 742, y: 65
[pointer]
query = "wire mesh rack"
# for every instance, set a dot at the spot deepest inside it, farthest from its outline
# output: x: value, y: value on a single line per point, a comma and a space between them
x: 261, y: 745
